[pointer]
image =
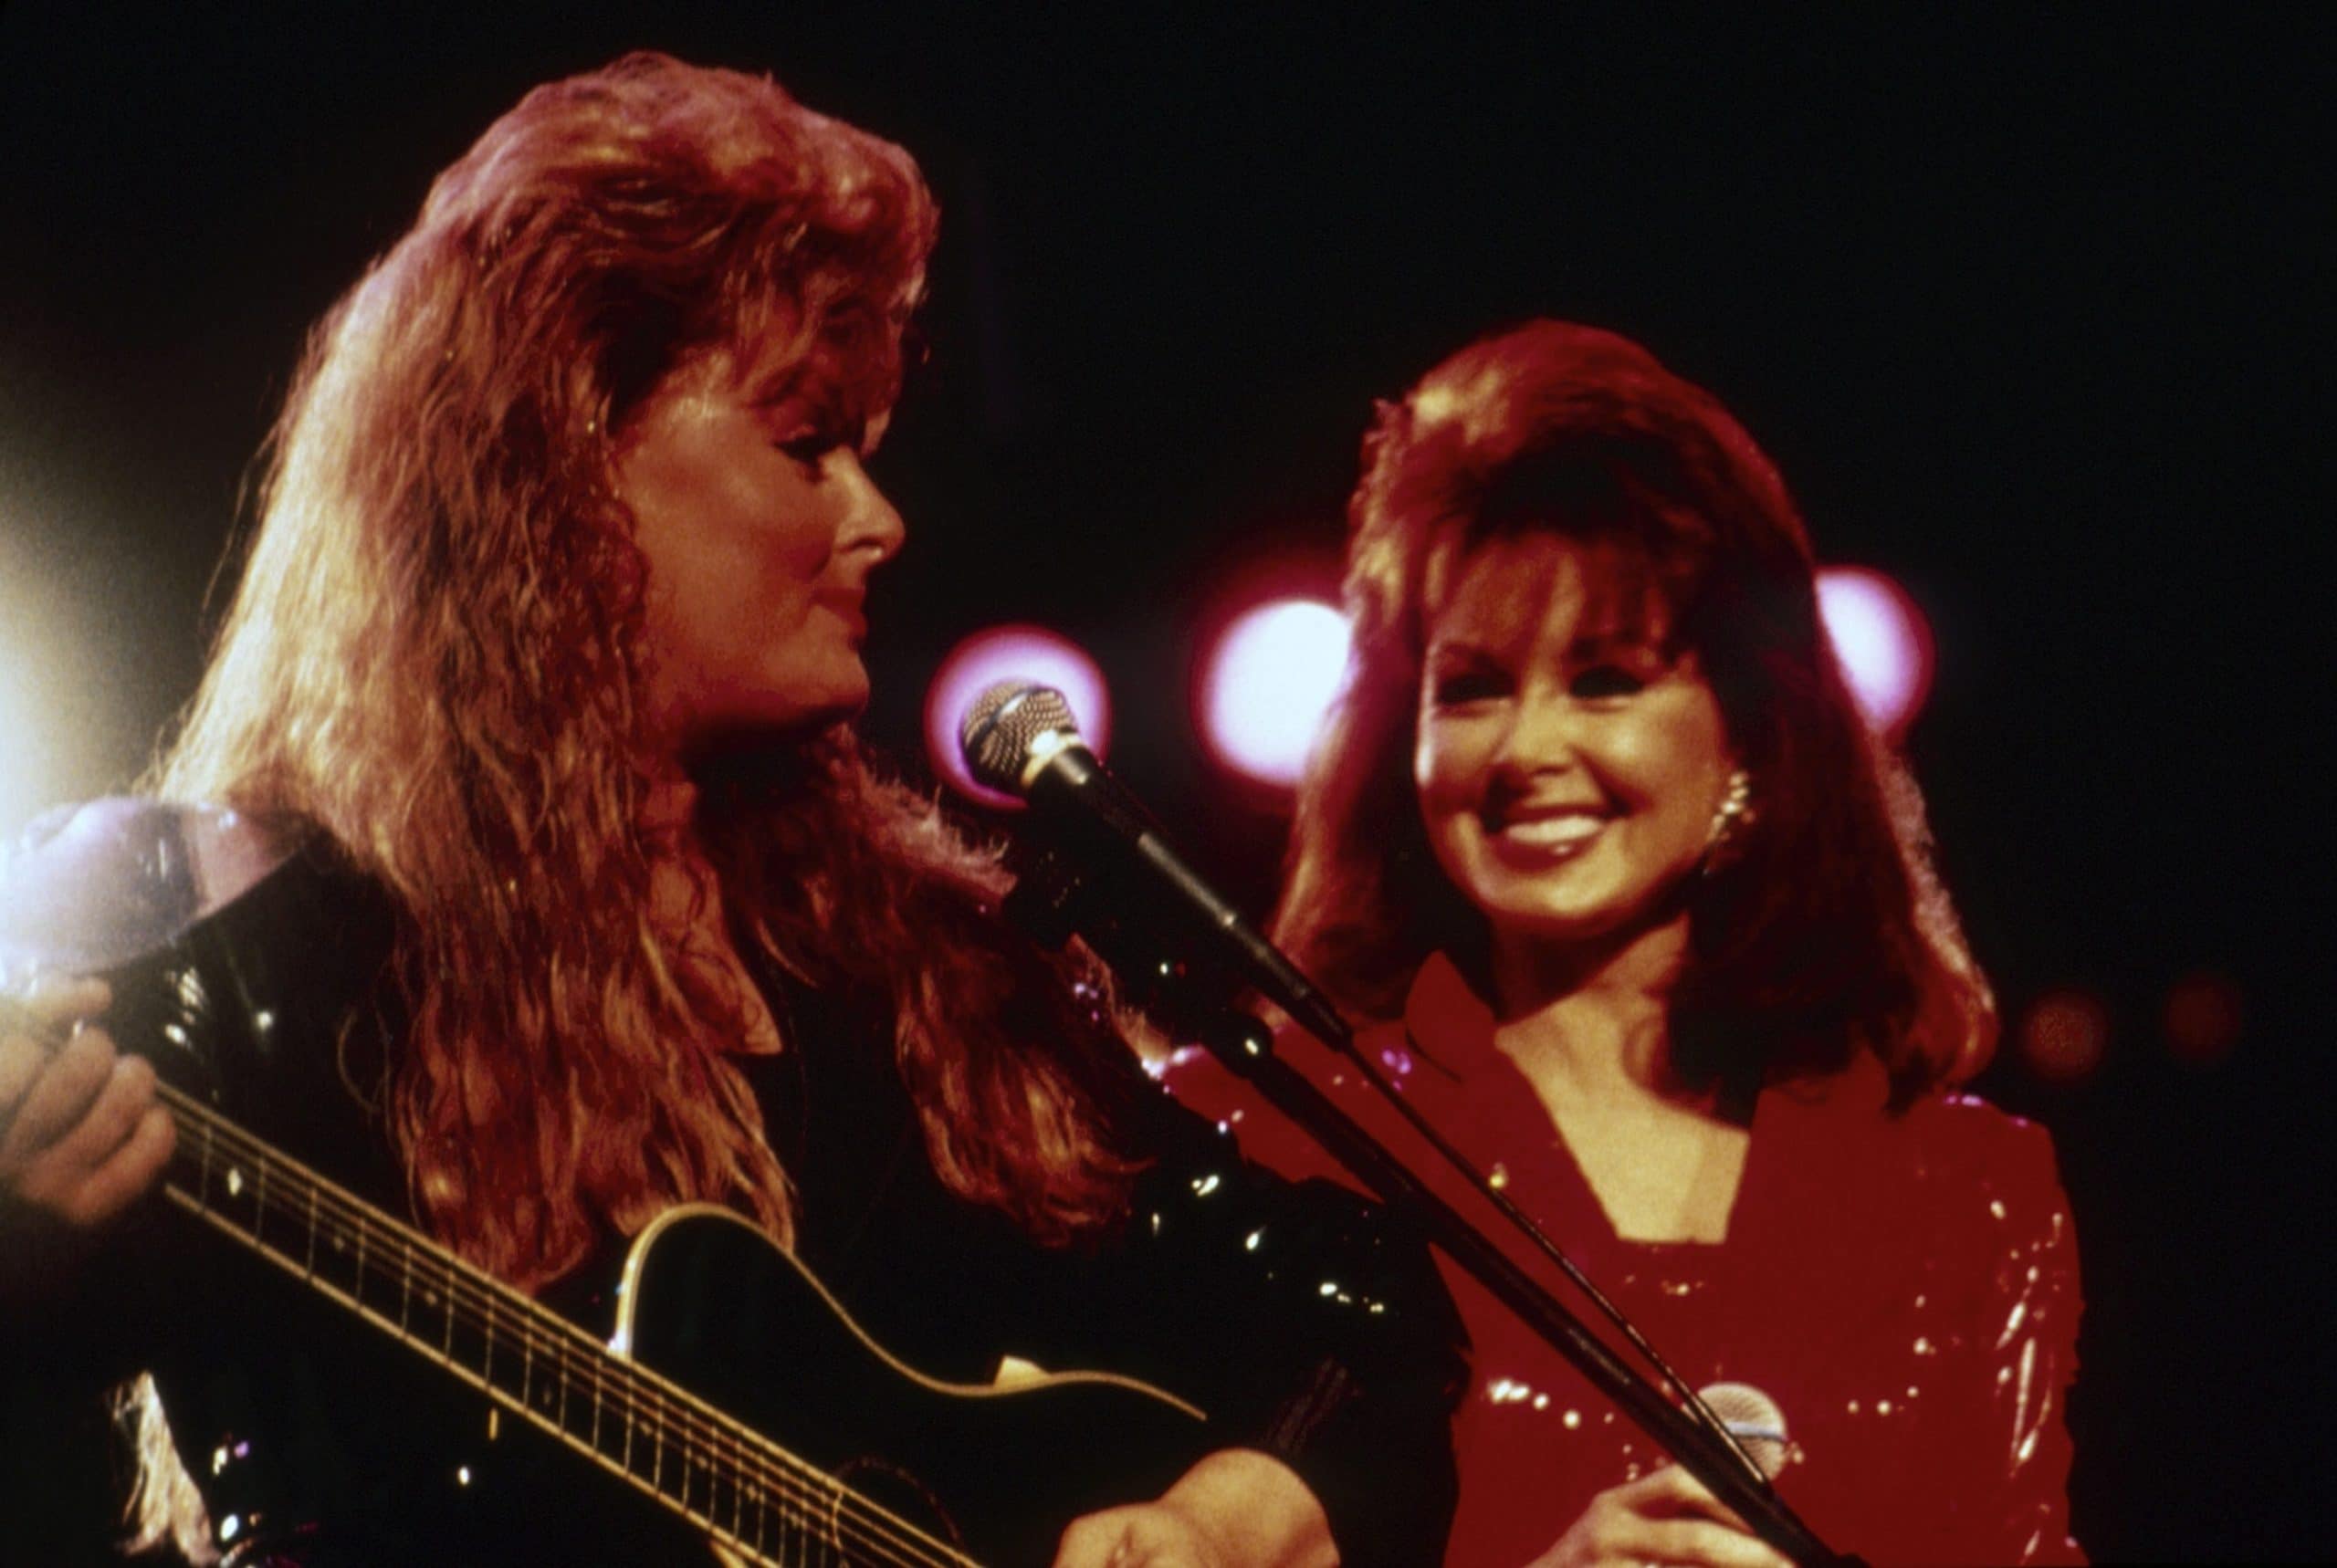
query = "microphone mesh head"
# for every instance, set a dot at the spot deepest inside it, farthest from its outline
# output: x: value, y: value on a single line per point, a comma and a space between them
x: 1754, y: 1420
x: 1002, y: 725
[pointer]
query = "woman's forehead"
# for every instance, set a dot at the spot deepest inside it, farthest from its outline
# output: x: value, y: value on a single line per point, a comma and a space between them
x: 1518, y: 584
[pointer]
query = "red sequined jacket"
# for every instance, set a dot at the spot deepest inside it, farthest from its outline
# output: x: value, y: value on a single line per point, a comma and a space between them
x: 1904, y: 1288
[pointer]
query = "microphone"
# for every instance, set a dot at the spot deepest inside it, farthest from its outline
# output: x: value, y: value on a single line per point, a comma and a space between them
x: 1019, y: 738
x: 1752, y: 1418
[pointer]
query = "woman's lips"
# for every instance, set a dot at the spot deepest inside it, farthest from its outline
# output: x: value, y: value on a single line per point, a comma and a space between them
x: 847, y: 608
x: 1545, y: 837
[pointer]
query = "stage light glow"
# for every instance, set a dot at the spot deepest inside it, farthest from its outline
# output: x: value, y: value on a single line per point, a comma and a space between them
x: 2064, y: 1034
x: 29, y: 765
x: 1011, y: 652
x: 1267, y: 684
x: 1883, y: 640
x: 23, y: 763
x: 2202, y: 1018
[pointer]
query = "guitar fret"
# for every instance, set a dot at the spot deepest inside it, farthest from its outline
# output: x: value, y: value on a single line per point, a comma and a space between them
x: 697, y: 1463
x: 713, y: 1490
x: 446, y: 1346
x: 750, y: 1502
x: 555, y: 1396
x: 599, y: 1388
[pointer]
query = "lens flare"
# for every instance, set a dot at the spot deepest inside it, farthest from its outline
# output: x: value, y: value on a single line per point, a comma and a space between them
x: 1267, y: 686
x: 1882, y: 642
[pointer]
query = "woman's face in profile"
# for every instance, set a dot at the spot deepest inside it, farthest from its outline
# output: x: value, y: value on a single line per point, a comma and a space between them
x: 761, y: 528
x: 1568, y: 767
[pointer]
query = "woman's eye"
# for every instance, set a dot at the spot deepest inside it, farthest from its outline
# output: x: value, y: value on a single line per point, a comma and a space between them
x: 1606, y: 681
x: 1464, y: 687
x: 809, y: 449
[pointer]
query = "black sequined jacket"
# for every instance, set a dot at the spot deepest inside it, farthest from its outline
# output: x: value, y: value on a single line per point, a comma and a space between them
x: 1293, y: 1314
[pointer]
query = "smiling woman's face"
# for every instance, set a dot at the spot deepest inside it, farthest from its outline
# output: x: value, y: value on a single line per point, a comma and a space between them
x: 759, y: 527
x: 1567, y: 770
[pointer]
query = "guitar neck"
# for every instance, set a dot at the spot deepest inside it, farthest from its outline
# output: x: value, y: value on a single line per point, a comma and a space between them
x: 753, y: 1499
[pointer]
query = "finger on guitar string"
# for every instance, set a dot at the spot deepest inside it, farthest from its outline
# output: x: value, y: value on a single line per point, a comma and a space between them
x: 36, y: 1021
x: 49, y: 1006
x: 82, y: 1135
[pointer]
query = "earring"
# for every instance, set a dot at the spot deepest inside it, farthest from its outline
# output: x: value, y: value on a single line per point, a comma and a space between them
x: 1731, y: 817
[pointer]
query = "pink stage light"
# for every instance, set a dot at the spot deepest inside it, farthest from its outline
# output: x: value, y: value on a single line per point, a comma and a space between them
x: 1882, y: 642
x: 1011, y: 652
x: 1267, y: 685
x: 2202, y: 1017
x: 2064, y: 1034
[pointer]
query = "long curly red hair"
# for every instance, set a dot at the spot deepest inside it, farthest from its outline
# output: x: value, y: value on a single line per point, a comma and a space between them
x: 435, y: 657
x: 1825, y: 932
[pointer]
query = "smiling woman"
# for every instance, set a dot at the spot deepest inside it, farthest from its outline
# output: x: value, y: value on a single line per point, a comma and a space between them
x: 1569, y: 767
x: 1642, y: 918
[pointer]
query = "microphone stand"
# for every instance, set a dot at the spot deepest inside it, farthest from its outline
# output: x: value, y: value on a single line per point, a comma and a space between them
x: 1054, y: 900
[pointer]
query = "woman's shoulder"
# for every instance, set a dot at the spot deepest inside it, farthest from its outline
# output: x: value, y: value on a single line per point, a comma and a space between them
x: 240, y: 953
x: 1946, y: 1130
x: 90, y: 886
x: 1949, y: 1159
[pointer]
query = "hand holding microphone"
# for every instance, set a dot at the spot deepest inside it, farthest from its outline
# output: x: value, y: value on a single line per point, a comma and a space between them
x: 1670, y: 1516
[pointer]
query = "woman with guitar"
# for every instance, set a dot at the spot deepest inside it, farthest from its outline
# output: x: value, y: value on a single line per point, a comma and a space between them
x: 1646, y: 923
x: 586, y: 904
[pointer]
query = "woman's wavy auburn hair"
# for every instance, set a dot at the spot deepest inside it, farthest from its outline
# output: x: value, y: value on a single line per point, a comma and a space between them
x: 435, y: 655
x: 1823, y: 931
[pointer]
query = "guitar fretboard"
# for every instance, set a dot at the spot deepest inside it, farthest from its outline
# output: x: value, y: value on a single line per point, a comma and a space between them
x: 755, y: 1500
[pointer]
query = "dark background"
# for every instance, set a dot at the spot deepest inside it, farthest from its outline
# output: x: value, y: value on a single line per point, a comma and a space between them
x: 2022, y: 306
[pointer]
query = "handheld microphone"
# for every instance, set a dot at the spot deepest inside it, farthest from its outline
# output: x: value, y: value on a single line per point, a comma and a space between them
x: 1752, y: 1418
x: 1019, y: 738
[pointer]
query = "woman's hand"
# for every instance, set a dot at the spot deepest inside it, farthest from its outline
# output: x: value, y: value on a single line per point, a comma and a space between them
x: 1236, y: 1509
x: 1666, y: 1517
x: 81, y: 1136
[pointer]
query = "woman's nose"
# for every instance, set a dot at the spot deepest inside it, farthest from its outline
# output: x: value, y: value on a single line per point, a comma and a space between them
x: 870, y: 523
x: 1544, y: 733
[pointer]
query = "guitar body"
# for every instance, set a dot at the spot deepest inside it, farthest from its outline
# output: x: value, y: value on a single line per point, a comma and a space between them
x: 725, y: 1385
x: 711, y: 1304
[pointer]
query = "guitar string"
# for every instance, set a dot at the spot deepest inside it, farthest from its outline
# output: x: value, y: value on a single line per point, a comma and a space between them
x: 670, y: 1414
x: 663, y: 1412
x: 664, y: 1433
x: 675, y: 1425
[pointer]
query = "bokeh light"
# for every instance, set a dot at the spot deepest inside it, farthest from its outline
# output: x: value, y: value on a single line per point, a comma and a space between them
x: 2064, y: 1034
x: 1883, y: 640
x: 1265, y: 686
x: 2202, y: 1018
x: 1011, y: 652
x: 24, y: 761
x: 31, y: 771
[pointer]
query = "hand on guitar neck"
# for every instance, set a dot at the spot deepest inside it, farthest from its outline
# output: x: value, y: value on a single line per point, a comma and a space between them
x: 81, y: 1134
